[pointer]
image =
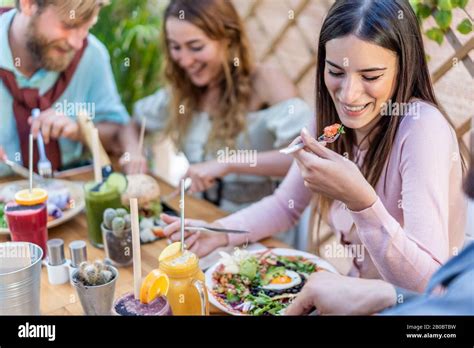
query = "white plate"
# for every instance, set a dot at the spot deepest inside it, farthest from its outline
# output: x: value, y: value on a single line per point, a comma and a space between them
x: 77, y: 194
x: 277, y: 251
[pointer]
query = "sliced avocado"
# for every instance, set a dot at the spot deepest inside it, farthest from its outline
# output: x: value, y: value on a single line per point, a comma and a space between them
x: 272, y: 273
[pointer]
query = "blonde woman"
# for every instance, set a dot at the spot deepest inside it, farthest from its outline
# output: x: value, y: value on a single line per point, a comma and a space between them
x: 217, y: 101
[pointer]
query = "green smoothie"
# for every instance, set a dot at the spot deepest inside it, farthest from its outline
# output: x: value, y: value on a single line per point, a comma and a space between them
x: 107, y: 196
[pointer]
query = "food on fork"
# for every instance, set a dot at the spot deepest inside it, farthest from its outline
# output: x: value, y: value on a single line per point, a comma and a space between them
x: 330, y: 135
x: 331, y: 132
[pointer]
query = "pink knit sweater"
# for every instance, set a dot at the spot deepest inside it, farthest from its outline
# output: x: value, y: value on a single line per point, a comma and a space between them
x: 415, y: 225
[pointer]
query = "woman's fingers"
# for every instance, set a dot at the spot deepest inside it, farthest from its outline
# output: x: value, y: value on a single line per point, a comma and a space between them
x: 193, y: 238
x: 209, y: 183
x: 295, y: 141
x: 316, y: 147
x: 176, y: 237
x: 168, y: 218
x: 172, y: 228
x: 194, y: 249
x: 308, y: 159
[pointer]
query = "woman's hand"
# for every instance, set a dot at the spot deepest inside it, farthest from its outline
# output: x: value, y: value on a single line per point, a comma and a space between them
x: 335, y: 294
x: 204, y: 174
x: 328, y: 173
x: 133, y: 164
x: 200, y: 243
x: 54, y: 125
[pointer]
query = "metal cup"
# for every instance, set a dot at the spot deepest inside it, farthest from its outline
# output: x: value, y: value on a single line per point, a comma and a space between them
x: 96, y: 300
x: 20, y: 278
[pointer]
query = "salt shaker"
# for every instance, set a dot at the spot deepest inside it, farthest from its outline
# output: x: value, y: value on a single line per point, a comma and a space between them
x: 57, y: 265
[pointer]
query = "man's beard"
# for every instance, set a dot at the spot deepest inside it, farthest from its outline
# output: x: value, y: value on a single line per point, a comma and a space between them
x: 41, y: 50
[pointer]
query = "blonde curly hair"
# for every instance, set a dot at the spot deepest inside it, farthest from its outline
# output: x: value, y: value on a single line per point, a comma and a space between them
x: 219, y: 20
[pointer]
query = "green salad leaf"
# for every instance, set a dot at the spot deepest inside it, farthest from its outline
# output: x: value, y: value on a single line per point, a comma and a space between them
x: 263, y: 303
x: 298, y: 265
x: 248, y: 268
x: 232, y: 297
x: 156, y: 208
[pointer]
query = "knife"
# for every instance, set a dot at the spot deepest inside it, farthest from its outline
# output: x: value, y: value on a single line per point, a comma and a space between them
x: 22, y: 171
x: 213, y: 229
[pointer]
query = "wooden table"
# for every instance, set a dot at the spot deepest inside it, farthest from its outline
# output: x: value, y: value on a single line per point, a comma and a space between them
x: 63, y: 300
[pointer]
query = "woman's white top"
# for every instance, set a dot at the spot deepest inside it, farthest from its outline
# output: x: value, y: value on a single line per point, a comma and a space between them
x: 267, y: 129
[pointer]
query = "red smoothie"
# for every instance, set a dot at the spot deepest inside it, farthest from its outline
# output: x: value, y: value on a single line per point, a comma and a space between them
x: 28, y: 223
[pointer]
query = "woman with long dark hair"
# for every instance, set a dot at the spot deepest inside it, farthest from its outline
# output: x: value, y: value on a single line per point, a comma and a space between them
x: 335, y: 294
x: 392, y: 183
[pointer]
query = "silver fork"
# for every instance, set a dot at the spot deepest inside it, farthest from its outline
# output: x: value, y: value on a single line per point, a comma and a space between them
x: 45, y: 168
x: 299, y: 145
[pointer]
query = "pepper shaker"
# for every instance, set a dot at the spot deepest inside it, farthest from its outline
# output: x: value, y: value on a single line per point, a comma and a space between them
x: 78, y: 253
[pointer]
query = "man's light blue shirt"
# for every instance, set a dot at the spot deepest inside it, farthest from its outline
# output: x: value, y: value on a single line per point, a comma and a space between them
x: 92, y: 87
x: 457, y: 279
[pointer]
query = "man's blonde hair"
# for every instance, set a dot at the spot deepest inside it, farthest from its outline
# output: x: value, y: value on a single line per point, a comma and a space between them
x: 77, y: 11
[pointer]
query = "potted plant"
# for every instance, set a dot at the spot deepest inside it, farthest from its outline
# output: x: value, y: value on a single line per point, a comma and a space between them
x: 95, y: 286
x: 117, y: 236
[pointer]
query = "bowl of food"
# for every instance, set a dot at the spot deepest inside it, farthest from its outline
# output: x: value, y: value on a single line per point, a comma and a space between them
x: 260, y: 282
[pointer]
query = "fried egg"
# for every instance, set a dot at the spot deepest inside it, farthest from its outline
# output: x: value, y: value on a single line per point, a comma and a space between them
x: 285, y: 281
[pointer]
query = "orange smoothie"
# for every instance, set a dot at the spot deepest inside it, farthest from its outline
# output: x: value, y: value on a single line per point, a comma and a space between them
x: 187, y: 293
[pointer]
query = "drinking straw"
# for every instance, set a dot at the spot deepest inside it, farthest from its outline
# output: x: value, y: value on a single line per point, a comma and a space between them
x: 137, y: 264
x: 181, y: 206
x: 30, y: 155
x: 96, y: 156
x: 140, y: 142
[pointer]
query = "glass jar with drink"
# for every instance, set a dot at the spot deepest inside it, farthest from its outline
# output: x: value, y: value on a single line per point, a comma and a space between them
x: 99, y: 197
x: 27, y: 217
x: 180, y: 279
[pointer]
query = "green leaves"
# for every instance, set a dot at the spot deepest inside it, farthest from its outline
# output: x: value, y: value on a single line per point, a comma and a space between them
x: 423, y: 11
x: 445, y: 5
x: 459, y: 3
x: 435, y: 34
x: 465, y: 27
x: 443, y: 15
x: 130, y: 30
x: 443, y: 18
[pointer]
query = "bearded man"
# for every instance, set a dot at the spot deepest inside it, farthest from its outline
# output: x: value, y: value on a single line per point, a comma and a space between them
x: 48, y: 60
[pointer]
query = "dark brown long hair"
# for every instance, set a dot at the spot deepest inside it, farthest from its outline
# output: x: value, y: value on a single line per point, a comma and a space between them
x: 220, y: 21
x: 389, y: 24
